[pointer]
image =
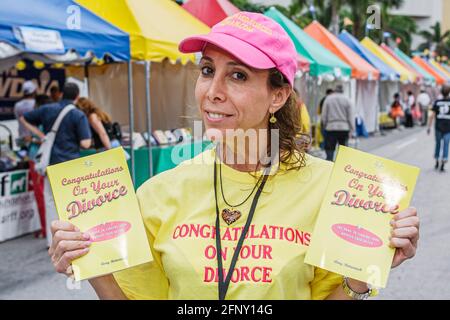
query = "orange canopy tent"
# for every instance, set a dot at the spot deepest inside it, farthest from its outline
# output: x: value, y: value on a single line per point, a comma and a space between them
x: 361, y: 69
x: 439, y: 79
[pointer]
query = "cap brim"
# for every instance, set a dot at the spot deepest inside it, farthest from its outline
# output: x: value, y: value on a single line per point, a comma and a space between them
x: 240, y: 49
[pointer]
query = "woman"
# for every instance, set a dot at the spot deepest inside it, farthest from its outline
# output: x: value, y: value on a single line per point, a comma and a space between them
x: 397, y: 110
x: 100, y: 123
x: 246, y: 87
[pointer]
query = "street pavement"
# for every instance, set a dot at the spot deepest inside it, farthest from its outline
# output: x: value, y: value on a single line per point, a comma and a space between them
x: 26, y: 271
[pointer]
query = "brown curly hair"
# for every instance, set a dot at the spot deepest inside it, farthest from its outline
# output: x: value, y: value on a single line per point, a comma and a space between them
x: 89, y: 107
x: 293, y: 143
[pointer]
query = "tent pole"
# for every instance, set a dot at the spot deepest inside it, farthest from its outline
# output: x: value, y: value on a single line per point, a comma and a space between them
x: 131, y: 115
x: 149, y: 117
x: 86, y: 78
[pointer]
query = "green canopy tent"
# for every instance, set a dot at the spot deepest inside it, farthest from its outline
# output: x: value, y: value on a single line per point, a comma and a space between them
x: 428, y: 78
x: 322, y: 60
x: 324, y: 65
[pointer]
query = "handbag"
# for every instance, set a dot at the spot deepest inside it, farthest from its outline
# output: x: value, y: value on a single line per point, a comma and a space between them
x: 417, y: 113
x: 42, y: 158
x: 361, y: 130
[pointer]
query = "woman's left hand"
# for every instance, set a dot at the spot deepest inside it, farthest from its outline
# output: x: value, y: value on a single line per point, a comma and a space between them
x: 405, y: 235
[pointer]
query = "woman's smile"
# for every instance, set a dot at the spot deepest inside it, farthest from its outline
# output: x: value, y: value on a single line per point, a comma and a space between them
x: 215, y: 116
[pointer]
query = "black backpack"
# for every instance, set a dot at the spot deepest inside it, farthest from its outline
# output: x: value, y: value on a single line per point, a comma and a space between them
x: 114, y: 131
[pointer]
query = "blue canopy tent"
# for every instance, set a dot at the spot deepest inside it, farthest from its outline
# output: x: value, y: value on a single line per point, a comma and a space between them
x: 389, y: 78
x: 386, y: 72
x: 61, y: 31
x: 58, y: 31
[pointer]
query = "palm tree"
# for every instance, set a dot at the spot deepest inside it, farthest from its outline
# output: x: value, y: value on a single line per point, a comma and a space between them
x: 245, y: 5
x: 358, y: 12
x: 436, y: 40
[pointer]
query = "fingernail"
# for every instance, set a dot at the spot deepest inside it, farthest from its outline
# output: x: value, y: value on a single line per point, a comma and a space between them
x: 392, y: 222
x: 88, y: 243
x: 86, y: 236
x: 77, y: 230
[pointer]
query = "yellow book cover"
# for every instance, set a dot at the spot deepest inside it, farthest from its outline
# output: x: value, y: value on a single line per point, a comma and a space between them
x: 351, y: 236
x: 96, y: 194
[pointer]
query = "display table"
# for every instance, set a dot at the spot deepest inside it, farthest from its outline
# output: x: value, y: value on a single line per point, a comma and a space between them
x: 164, y: 158
x: 18, y: 210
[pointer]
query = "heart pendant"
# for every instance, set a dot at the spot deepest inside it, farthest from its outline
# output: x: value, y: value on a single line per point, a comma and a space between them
x: 230, y: 216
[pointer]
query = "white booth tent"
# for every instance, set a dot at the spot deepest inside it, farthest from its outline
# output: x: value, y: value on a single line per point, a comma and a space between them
x: 172, y: 88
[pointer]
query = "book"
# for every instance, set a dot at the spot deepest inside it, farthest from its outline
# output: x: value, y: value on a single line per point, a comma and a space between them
x: 96, y: 194
x: 351, y: 235
x: 160, y: 137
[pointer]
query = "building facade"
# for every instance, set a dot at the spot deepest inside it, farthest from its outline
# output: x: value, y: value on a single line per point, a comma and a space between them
x: 426, y: 13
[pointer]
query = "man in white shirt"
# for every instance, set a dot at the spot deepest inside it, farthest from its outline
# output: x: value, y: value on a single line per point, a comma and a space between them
x: 25, y: 105
x: 424, y: 101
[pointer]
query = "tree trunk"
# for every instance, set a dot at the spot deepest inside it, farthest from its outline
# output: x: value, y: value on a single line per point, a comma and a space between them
x: 334, y: 27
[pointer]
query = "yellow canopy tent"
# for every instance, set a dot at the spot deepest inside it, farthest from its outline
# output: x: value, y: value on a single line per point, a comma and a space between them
x: 155, y: 26
x: 405, y: 74
x: 440, y: 68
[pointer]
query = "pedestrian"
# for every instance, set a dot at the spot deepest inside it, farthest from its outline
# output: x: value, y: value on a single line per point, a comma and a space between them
x: 410, y: 103
x: 245, y: 83
x: 24, y: 105
x: 338, y: 120
x: 320, y: 133
x: 55, y: 94
x: 424, y: 102
x: 305, y: 119
x: 42, y: 99
x: 304, y: 137
x: 328, y: 92
x: 441, y: 112
x: 396, y: 112
x: 73, y: 134
x: 101, y: 125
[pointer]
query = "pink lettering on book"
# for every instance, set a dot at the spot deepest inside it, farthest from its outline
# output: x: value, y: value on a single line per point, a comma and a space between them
x: 356, y: 235
x: 77, y: 207
x: 109, y: 230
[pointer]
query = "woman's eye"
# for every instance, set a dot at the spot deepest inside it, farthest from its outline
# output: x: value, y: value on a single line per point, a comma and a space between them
x: 206, y: 71
x: 239, y: 76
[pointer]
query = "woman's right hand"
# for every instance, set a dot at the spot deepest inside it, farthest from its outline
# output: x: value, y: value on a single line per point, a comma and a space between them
x: 68, y: 244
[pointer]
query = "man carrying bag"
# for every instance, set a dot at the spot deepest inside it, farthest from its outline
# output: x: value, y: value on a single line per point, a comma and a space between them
x: 66, y: 130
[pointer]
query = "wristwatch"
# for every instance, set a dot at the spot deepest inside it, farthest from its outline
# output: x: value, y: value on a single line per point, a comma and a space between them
x: 353, y: 294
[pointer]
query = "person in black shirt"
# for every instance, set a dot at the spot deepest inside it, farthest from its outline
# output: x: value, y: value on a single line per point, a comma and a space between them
x: 441, y: 111
x: 100, y: 123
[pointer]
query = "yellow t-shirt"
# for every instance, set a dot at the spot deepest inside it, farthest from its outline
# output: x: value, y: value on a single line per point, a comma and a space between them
x: 305, y: 119
x: 178, y: 209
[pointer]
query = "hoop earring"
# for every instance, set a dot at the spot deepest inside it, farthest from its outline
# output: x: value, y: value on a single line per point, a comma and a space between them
x: 272, y: 118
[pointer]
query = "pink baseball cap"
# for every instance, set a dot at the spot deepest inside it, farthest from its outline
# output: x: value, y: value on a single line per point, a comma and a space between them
x: 256, y: 40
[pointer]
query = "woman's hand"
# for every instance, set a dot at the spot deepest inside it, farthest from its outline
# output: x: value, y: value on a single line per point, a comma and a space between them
x: 405, y: 235
x: 68, y: 244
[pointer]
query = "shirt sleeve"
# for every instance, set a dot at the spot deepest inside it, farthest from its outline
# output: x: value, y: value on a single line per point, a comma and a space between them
x: 324, y: 283
x: 147, y: 281
x: 351, y: 116
x: 83, y: 130
x: 435, y: 108
x: 34, y: 117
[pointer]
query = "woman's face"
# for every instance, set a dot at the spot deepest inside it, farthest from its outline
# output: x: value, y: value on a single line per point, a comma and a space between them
x: 232, y: 95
